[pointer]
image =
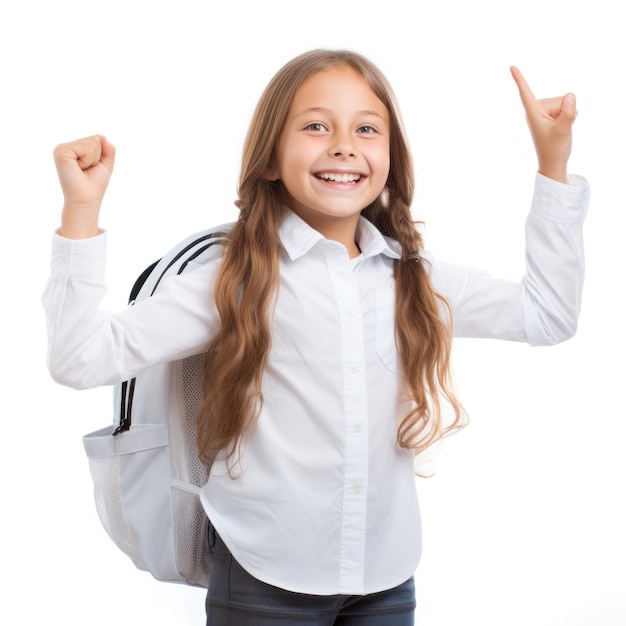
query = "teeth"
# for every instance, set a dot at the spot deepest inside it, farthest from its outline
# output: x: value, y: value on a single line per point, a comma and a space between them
x: 340, y: 178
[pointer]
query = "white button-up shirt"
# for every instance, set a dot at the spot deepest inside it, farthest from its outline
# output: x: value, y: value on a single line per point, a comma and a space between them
x: 324, y: 501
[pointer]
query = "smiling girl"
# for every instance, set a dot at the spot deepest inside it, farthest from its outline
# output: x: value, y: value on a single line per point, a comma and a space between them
x: 329, y: 330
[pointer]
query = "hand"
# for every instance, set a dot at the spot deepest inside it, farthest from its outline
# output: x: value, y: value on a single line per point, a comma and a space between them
x: 550, y: 122
x: 84, y: 169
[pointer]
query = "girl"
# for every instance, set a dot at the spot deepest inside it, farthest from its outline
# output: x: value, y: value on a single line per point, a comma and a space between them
x: 327, y: 330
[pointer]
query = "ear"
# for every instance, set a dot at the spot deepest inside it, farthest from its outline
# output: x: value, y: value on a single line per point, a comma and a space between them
x: 271, y: 173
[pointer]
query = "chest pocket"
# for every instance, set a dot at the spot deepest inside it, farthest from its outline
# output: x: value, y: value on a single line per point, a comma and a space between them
x: 385, y: 327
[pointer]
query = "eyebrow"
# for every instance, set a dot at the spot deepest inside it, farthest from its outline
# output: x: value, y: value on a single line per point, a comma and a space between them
x: 328, y: 111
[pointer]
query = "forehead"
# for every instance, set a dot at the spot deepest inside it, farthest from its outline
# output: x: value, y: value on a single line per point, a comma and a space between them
x: 338, y: 89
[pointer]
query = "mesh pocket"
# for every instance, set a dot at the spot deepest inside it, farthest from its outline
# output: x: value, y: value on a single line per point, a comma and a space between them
x: 131, y: 476
x: 189, y: 474
x: 105, y: 473
x: 187, y: 466
x: 147, y: 479
x: 191, y: 523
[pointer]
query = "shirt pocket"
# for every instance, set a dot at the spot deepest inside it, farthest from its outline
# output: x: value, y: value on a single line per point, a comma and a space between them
x: 385, y: 328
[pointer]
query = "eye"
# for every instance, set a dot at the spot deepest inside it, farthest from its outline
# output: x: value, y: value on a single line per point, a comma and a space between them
x: 367, y: 130
x: 315, y: 126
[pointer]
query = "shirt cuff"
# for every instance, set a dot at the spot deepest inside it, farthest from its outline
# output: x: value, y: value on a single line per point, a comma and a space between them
x: 79, y: 259
x: 558, y: 202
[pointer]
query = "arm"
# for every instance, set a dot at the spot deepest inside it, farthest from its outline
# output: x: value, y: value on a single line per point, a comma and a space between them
x: 88, y: 346
x: 543, y: 307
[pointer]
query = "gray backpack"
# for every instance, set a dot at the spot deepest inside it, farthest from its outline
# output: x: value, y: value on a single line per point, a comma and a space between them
x: 145, y: 467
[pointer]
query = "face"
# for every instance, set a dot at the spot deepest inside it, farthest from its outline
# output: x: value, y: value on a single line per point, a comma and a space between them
x: 333, y: 152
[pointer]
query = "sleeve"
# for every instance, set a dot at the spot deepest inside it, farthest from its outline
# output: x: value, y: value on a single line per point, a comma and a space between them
x: 544, y: 306
x: 89, y: 347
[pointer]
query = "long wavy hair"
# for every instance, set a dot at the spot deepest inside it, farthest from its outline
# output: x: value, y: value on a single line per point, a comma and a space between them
x: 247, y: 281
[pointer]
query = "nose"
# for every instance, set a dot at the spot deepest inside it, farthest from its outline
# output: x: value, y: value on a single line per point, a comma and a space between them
x: 342, y: 144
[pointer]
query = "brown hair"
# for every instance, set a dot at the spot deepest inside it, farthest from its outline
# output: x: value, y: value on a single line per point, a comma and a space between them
x: 247, y: 281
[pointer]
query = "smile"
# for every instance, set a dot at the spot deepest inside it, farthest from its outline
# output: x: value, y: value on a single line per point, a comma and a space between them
x: 339, y: 178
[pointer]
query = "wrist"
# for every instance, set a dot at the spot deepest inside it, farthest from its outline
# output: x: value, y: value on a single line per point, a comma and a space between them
x: 554, y: 171
x: 79, y: 222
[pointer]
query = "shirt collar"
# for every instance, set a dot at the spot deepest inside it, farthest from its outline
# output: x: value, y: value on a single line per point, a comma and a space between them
x: 298, y: 238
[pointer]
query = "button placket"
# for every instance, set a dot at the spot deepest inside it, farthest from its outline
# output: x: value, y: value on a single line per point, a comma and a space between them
x: 354, y: 513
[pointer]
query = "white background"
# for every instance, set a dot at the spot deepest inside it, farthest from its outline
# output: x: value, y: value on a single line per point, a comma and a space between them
x: 524, y: 518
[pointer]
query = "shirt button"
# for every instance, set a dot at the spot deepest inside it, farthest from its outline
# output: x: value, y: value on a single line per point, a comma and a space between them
x: 357, y: 428
x: 354, y: 369
x: 357, y: 487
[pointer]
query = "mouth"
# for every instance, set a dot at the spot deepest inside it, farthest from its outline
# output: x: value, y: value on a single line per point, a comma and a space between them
x: 336, y: 177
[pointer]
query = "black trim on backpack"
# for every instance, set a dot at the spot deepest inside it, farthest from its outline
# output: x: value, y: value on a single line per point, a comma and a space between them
x: 193, y: 256
x: 134, y: 292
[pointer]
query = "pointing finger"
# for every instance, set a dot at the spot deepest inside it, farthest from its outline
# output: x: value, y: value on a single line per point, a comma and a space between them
x: 525, y: 92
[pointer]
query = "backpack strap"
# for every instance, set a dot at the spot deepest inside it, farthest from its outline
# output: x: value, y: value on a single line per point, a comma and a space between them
x: 196, y: 248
